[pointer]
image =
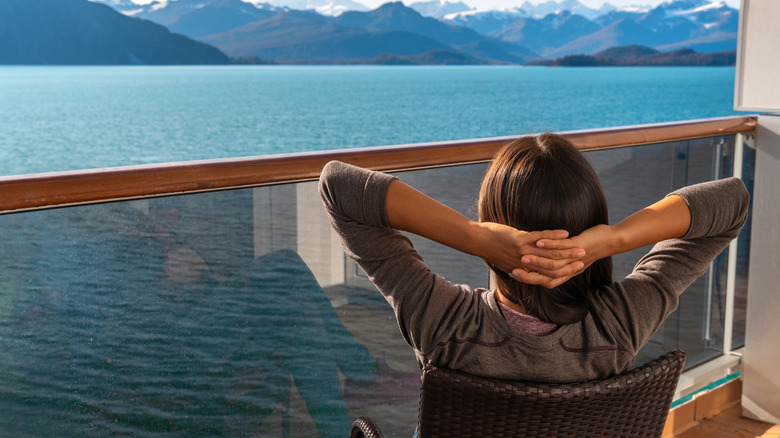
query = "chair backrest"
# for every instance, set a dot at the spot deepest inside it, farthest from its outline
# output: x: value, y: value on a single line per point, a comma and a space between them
x: 632, y: 404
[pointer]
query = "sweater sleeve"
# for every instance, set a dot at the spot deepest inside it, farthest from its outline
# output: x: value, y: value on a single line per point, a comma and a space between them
x: 426, y: 305
x: 638, y: 304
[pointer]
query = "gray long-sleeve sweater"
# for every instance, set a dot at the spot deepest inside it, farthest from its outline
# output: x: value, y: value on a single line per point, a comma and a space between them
x: 457, y: 327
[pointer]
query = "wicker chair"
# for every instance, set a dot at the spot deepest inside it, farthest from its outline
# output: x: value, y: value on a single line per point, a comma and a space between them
x: 632, y: 404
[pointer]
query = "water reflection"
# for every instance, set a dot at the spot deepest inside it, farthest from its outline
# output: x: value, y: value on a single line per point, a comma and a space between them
x: 120, y: 321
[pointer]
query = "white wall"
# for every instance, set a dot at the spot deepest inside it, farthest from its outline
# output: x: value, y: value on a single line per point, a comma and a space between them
x: 761, y: 376
x: 757, y: 87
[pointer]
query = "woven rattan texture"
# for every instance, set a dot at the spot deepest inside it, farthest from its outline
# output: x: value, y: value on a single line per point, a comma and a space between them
x: 364, y: 427
x: 633, y: 404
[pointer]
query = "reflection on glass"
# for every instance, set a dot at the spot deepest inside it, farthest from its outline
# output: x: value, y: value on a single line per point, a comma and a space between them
x: 138, y: 318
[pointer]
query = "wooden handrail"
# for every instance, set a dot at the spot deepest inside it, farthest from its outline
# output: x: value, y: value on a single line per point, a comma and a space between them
x: 27, y: 192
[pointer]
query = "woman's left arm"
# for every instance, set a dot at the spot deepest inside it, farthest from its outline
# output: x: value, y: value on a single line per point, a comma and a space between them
x: 410, y: 210
x: 367, y: 209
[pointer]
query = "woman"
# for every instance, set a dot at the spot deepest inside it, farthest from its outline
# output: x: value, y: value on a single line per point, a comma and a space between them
x: 555, y: 314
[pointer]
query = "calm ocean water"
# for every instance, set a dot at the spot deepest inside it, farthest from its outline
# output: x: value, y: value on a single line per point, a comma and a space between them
x: 65, y: 118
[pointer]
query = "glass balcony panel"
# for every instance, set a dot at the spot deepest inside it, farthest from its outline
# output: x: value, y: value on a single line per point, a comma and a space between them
x: 220, y: 313
x: 636, y: 176
x: 237, y: 313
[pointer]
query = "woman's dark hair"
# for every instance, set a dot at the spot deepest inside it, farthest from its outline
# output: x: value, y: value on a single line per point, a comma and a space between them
x: 544, y: 183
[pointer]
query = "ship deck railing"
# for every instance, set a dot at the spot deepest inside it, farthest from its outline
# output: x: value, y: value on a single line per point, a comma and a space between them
x: 171, y: 233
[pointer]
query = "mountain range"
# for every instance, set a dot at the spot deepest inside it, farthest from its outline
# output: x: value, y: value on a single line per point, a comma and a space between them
x: 705, y: 26
x: 281, y: 34
x: 642, y: 56
x: 79, y: 32
x: 285, y: 33
x: 343, y: 31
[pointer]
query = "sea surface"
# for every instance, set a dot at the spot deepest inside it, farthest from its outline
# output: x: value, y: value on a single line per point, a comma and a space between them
x: 66, y: 118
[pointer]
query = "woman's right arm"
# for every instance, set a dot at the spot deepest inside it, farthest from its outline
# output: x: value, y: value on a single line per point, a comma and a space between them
x: 721, y: 208
x: 691, y: 227
x: 668, y: 218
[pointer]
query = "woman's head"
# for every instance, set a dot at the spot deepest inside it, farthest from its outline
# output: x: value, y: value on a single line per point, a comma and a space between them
x: 543, y: 183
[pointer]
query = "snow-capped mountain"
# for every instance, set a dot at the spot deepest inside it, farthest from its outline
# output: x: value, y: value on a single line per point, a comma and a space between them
x: 330, y: 8
x: 332, y: 29
x: 703, y: 12
x: 439, y: 8
x: 198, y: 18
x: 324, y: 7
x: 131, y: 7
x: 548, y: 7
x: 486, y: 22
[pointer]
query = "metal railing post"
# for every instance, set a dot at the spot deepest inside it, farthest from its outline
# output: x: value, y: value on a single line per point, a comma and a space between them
x: 731, y: 276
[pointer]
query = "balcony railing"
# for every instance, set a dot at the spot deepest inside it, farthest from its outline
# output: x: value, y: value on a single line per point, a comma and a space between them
x: 213, y: 297
x: 76, y: 187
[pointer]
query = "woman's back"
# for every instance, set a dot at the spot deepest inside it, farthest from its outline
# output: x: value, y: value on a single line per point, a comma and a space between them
x: 461, y: 328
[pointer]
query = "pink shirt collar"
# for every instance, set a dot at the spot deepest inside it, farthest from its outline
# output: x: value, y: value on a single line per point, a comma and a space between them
x: 527, y: 323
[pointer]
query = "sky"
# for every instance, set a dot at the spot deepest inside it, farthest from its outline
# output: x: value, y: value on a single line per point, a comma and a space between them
x: 504, y: 4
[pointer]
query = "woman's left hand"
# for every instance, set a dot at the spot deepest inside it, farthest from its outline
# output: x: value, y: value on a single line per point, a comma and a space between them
x: 508, y: 249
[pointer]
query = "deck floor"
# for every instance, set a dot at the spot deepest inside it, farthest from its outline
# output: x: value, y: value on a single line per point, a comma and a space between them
x: 730, y: 423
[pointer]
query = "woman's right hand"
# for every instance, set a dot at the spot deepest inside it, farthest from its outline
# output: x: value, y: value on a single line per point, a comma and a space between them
x: 538, y: 268
x: 506, y: 247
